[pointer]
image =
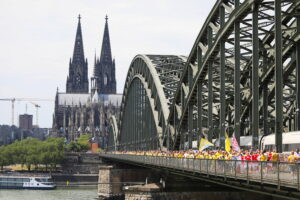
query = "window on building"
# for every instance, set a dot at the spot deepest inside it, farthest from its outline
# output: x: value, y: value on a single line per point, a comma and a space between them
x: 105, y: 79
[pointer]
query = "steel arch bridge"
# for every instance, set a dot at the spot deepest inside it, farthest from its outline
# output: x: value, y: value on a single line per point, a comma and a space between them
x: 149, y: 90
x: 242, y: 77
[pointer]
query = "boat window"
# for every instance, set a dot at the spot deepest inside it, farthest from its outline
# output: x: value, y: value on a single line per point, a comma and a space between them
x: 3, y: 183
x: 10, y: 184
x: 48, y: 183
x: 19, y: 184
x: 19, y: 180
x: 26, y: 180
x: 43, y: 180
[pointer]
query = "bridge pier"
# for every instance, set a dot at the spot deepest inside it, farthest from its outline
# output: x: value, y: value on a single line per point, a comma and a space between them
x: 112, y: 179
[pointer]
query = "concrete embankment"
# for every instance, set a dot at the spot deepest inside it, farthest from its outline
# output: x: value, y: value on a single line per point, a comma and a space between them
x: 79, y: 170
x: 76, y: 180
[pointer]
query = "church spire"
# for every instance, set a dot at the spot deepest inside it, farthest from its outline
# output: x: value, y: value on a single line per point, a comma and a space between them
x: 78, y: 54
x: 105, y: 56
x: 95, y: 62
x: 77, y: 81
x: 104, y: 71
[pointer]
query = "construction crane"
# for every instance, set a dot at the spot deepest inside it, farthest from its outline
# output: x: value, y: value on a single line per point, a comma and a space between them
x: 37, y: 112
x: 13, y: 100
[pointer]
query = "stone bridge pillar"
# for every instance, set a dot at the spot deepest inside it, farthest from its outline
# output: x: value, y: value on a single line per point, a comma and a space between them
x: 115, y: 177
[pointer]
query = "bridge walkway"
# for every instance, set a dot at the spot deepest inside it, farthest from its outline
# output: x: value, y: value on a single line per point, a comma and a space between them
x: 279, y: 179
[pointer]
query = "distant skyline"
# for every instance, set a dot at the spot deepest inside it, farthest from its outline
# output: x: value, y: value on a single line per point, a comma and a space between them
x: 37, y: 39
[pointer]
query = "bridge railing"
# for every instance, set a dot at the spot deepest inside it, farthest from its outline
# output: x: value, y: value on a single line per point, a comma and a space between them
x: 274, y: 173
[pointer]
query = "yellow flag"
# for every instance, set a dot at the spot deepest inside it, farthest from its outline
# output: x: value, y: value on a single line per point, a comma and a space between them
x: 204, y: 143
x: 227, y: 143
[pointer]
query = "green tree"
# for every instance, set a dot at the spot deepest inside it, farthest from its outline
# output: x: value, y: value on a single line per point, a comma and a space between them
x: 33, y: 152
x: 55, y: 149
x: 4, y: 157
x: 81, y: 145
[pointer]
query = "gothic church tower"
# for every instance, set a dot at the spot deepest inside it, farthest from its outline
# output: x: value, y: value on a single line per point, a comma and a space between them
x: 104, y: 70
x: 77, y: 81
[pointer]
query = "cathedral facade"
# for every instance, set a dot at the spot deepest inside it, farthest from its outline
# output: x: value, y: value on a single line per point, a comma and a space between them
x: 79, y: 110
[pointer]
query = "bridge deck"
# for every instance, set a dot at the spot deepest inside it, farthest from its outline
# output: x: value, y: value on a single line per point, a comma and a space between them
x: 281, y: 175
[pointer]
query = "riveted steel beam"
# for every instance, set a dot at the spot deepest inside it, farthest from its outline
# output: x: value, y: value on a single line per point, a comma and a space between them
x: 210, y: 89
x: 190, y: 126
x: 199, y: 97
x: 297, y: 110
x: 199, y: 109
x: 265, y: 97
x: 222, y: 82
x: 237, y: 75
x: 255, y: 79
x: 278, y: 77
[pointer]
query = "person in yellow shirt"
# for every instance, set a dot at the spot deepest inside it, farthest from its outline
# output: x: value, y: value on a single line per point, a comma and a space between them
x: 292, y: 166
x: 212, y: 156
x: 218, y: 154
x: 180, y: 155
x: 274, y: 159
x: 263, y: 156
x: 275, y: 156
x: 206, y: 155
x: 292, y: 158
x: 228, y: 156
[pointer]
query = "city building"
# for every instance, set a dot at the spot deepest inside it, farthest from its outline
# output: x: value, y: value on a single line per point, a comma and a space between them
x: 25, y: 122
x: 79, y: 111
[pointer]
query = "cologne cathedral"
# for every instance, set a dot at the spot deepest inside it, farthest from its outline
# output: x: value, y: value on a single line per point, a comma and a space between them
x: 80, y: 110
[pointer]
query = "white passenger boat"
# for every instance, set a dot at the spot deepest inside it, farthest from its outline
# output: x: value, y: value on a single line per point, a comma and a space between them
x: 26, y: 182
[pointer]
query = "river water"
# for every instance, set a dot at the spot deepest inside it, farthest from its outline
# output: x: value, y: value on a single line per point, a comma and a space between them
x: 64, y: 194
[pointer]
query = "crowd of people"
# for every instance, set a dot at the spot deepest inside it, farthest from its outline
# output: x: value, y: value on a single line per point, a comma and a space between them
x: 243, y: 155
x: 247, y: 160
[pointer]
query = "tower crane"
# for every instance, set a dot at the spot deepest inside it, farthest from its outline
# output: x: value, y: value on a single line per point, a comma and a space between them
x: 13, y: 100
x: 37, y: 112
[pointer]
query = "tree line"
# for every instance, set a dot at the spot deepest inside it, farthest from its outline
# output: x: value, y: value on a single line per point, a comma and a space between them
x: 33, y: 152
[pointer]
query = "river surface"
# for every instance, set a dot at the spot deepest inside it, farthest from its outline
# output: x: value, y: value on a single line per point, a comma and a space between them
x: 64, y: 194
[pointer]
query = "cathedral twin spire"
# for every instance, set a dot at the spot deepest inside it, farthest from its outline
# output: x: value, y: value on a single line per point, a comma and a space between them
x: 78, y: 46
x: 77, y: 81
x: 104, y: 70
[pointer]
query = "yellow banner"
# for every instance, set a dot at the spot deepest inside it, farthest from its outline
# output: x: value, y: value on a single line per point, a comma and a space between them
x: 204, y: 143
x: 227, y: 143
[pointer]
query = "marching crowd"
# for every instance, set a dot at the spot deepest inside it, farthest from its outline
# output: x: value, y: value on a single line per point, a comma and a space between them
x: 243, y: 155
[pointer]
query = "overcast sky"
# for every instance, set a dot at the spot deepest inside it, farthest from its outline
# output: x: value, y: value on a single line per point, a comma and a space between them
x: 37, y: 40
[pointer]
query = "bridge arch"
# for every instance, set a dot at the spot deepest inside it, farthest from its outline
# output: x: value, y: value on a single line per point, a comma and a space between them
x: 240, y: 76
x: 149, y: 89
x: 113, y: 132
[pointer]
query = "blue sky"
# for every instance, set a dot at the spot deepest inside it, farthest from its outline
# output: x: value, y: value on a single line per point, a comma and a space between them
x: 37, y: 38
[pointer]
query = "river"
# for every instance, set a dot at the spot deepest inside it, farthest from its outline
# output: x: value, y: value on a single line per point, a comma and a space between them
x: 64, y: 194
